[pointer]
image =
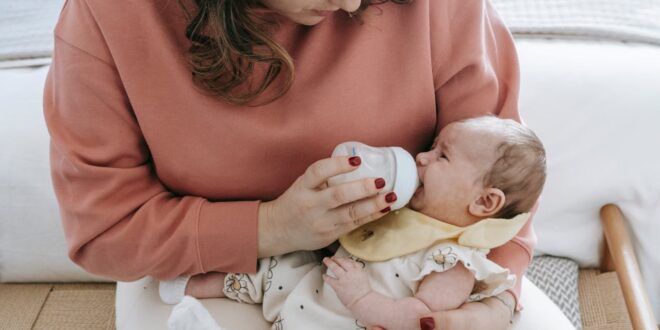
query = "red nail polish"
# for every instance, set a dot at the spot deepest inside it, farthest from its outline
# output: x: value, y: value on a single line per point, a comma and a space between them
x: 385, y: 210
x: 427, y: 323
x: 355, y: 160
x: 391, y: 197
x: 380, y: 183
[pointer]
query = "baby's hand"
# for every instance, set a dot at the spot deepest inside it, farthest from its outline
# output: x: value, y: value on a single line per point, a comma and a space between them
x: 350, y: 282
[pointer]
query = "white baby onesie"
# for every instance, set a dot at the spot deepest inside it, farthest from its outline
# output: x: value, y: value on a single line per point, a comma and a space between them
x: 294, y: 296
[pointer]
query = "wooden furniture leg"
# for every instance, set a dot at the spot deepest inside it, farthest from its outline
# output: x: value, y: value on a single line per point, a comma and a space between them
x: 620, y: 253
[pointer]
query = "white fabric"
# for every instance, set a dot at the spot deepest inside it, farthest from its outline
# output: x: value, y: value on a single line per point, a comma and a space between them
x: 139, y: 308
x: 620, y: 20
x: 596, y: 107
x: 190, y: 314
x: 294, y: 295
x: 32, y: 246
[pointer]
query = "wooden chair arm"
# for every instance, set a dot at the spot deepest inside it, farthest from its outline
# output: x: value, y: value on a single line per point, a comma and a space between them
x: 620, y: 255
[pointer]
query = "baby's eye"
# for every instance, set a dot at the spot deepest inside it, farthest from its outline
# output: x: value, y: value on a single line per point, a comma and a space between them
x: 442, y: 155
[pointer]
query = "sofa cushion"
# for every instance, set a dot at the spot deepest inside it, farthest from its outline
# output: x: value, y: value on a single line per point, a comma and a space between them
x: 139, y: 307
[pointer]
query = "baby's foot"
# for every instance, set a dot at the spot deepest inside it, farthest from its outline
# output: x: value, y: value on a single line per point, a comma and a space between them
x: 172, y: 292
x: 209, y: 285
x: 201, y: 286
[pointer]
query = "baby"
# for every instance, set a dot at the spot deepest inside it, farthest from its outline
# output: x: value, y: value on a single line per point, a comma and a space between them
x: 478, y: 182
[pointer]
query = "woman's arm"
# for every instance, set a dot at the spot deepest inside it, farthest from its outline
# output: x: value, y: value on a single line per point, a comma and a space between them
x: 120, y: 220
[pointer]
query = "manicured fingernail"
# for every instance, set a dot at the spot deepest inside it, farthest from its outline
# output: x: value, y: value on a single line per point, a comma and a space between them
x: 385, y: 210
x: 380, y: 183
x: 427, y: 323
x: 391, y: 197
x: 355, y: 160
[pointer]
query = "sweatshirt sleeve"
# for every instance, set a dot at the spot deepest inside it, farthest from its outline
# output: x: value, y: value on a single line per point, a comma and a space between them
x: 119, y: 220
x: 476, y: 72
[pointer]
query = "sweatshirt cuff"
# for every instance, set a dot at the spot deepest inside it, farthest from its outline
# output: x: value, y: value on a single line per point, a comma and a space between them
x: 227, y: 236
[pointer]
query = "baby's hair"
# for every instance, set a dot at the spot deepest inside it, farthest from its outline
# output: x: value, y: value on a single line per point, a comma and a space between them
x: 520, y: 169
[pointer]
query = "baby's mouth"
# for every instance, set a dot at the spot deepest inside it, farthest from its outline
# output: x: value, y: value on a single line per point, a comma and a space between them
x: 420, y: 188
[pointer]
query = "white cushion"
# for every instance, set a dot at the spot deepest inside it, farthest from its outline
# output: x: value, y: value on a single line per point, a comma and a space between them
x: 596, y: 107
x: 32, y: 245
x: 138, y: 307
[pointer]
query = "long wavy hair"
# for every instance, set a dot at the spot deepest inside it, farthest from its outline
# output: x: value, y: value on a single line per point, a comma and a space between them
x: 229, y: 42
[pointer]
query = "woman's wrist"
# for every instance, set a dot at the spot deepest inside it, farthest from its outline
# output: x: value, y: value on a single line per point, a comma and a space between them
x: 269, y: 240
x: 504, y: 300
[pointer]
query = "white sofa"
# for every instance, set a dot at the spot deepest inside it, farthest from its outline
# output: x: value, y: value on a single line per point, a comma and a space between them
x: 596, y: 106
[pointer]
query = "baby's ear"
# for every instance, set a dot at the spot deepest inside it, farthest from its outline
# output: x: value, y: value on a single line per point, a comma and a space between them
x: 488, y: 203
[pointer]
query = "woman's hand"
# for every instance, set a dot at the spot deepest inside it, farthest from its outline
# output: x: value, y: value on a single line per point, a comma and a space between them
x: 311, y: 215
x: 490, y: 313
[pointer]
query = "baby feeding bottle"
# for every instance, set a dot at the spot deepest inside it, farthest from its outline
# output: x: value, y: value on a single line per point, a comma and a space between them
x: 394, y: 164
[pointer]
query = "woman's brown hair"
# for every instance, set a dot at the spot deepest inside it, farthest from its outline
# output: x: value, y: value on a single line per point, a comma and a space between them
x: 229, y: 42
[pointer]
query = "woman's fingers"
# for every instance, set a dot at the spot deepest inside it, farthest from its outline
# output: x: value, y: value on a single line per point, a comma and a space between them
x: 344, y: 193
x: 317, y: 173
x: 353, y: 215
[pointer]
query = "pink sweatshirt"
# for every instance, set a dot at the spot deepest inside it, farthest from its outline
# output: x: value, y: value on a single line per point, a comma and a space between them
x: 155, y: 177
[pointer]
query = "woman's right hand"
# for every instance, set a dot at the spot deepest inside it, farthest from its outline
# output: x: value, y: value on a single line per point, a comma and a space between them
x: 310, y: 215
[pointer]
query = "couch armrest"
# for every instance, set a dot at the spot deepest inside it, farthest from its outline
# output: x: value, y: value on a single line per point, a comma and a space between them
x: 620, y: 256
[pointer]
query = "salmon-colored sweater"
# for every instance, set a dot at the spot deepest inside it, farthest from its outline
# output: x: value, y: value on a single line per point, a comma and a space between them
x: 156, y: 177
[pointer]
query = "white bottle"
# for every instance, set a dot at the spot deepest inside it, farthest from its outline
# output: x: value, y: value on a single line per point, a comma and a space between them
x: 394, y: 164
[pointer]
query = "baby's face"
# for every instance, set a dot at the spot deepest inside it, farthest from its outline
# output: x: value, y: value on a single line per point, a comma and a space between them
x: 452, y: 172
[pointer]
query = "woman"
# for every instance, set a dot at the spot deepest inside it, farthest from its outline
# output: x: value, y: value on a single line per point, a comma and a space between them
x: 179, y: 153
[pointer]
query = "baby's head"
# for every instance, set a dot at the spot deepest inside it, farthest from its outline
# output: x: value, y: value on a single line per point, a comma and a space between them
x: 483, y: 167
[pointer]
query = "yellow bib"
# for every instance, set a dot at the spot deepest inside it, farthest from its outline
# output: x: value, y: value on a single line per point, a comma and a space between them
x: 406, y: 231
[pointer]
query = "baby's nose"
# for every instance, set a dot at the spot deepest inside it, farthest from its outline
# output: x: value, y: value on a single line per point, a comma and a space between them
x: 347, y: 5
x: 421, y: 159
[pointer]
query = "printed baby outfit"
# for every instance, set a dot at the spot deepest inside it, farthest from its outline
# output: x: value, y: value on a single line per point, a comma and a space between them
x: 294, y: 295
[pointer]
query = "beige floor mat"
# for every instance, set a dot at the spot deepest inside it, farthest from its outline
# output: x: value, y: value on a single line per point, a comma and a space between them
x: 57, y: 306
x: 20, y: 304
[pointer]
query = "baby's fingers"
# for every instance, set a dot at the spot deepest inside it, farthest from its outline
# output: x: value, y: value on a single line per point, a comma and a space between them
x: 330, y: 280
x: 334, y: 267
x: 345, y: 263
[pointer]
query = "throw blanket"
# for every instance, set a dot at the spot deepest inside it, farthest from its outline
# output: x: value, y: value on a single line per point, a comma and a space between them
x: 26, y: 27
x: 621, y: 20
x: 26, y: 31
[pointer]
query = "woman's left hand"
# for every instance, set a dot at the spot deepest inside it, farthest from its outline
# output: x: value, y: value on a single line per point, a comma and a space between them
x: 490, y: 313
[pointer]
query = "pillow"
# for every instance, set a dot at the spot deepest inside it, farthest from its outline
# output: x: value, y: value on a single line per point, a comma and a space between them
x: 595, y: 106
x: 32, y: 245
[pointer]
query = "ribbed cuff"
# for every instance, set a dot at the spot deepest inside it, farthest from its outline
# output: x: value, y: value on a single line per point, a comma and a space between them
x: 227, y: 236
